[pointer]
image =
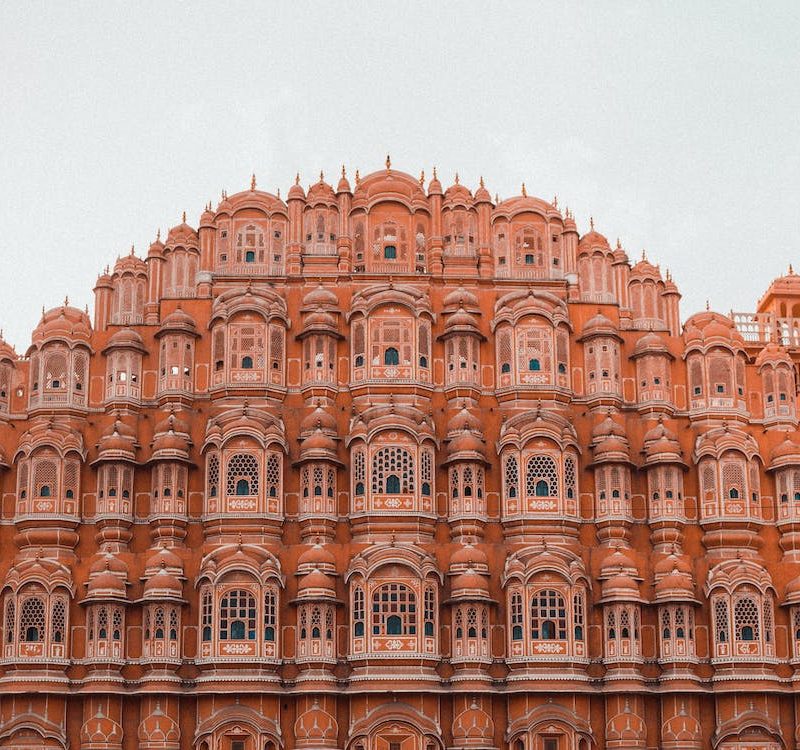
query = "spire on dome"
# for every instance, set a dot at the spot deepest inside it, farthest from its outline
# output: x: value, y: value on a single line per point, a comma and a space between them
x: 422, y: 178
x: 358, y: 177
x: 481, y: 181
x: 253, y: 182
x: 388, y: 162
x: 457, y: 178
x: 321, y: 176
x: 555, y: 201
x: 184, y: 217
x: 524, y: 191
x: 591, y: 223
x: 297, y: 179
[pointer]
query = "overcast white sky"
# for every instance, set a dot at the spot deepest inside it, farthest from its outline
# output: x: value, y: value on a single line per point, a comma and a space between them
x: 676, y: 125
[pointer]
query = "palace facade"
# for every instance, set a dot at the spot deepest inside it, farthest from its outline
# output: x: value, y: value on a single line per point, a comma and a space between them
x: 392, y: 467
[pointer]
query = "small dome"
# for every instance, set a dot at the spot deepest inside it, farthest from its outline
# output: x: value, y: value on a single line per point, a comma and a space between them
x: 163, y: 559
x: 786, y: 453
x: 316, y: 581
x: 598, y: 325
x: 674, y: 584
x: 650, y: 343
x: 434, y: 186
x: 482, y: 194
x: 182, y: 234
x: 130, y: 264
x: 593, y: 239
x: 319, y: 418
x: 6, y: 350
x: 108, y: 563
x: 296, y: 192
x: 468, y: 556
x: 321, y: 192
x: 457, y: 193
x: 710, y: 327
x: 163, y: 584
x: 461, y: 320
x: 316, y: 557
x: 117, y: 441
x: 320, y: 321
x: 465, y: 443
x: 207, y: 217
x: 344, y: 184
x: 773, y: 353
x: 620, y: 587
x: 618, y: 563
x: 670, y: 563
x: 644, y: 269
x: 461, y: 298
x: 469, y: 581
x: 125, y: 338
x: 463, y: 420
x: 320, y: 296
x: 793, y: 591
x: 63, y: 322
x: 318, y: 445
x: 661, y: 442
x: 178, y: 321
x: 106, y: 584
x: 156, y: 249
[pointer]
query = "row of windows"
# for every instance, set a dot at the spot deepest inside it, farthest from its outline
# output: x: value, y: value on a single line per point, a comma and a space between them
x: 543, y: 622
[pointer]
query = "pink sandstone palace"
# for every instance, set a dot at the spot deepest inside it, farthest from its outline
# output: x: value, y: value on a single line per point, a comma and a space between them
x: 392, y: 467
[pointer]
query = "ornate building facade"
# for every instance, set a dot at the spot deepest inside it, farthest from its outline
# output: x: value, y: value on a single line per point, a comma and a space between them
x: 392, y: 467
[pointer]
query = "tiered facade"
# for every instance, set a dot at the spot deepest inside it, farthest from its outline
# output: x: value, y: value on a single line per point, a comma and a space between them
x: 389, y: 467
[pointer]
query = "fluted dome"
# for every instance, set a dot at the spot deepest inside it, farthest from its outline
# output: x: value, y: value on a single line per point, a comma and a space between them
x: 661, y: 445
x: 711, y: 327
x: 106, y: 585
x: 178, y: 321
x: 319, y: 418
x: 321, y: 192
x: 296, y: 192
x: 118, y: 441
x: 6, y: 350
x: 670, y: 563
x: 389, y: 182
x: 316, y: 583
x: 125, y: 338
x: 163, y: 559
x: 786, y: 453
x: 108, y: 563
x: 316, y: 557
x: 482, y: 194
x: 66, y: 323
x: 650, y: 343
x: 456, y: 194
x: 599, y: 325
x: 163, y: 585
x: 183, y: 235
x: 468, y: 583
x: 593, y: 239
x: 644, y: 269
x: 320, y: 296
x: 620, y: 587
x: 468, y: 556
x: 774, y: 354
x: 674, y: 586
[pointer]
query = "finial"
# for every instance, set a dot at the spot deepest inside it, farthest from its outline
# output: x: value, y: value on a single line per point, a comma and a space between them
x: 278, y: 194
x: 66, y: 301
x: 358, y: 177
x: 85, y: 309
x: 321, y: 176
x: 422, y: 178
x: 456, y: 178
x: 791, y: 270
x: 42, y: 310
x: 481, y: 181
x: 388, y: 161
x: 524, y: 191
x: 344, y: 173
x: 184, y: 217
x: 591, y: 222
x: 107, y: 268
x: 297, y: 179
x: 496, y: 198
x: 555, y: 201
x: 434, y: 173
x: 708, y: 305
x: 131, y: 249
x: 619, y: 244
x: 644, y: 256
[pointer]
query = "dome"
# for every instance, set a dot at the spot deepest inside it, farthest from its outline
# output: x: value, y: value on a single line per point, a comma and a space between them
x: 163, y: 584
x: 316, y: 557
x: 468, y: 556
x: 670, y: 563
x: 321, y: 192
x: 774, y: 354
x: 296, y: 192
x: 178, y: 321
x: 118, y: 441
x: 320, y: 296
x: 592, y: 240
x: 469, y: 581
x: 67, y: 323
x: 316, y: 582
x: 660, y: 443
x: 183, y: 235
x: 650, y: 343
x: 171, y: 422
x: 786, y: 453
x: 527, y: 203
x: 156, y: 249
x: 130, y: 264
x: 207, y: 217
x: 618, y: 563
x: 792, y: 595
x: 106, y: 585
x: 620, y: 587
x: 320, y: 321
x: 457, y: 194
x: 674, y: 585
x: 320, y: 446
x: 711, y: 327
x: 599, y: 325
x: 125, y: 338
x: 434, y: 186
x: 163, y: 559
x: 344, y: 185
x: 319, y: 418
x: 461, y: 320
x: 6, y: 350
x: 465, y: 446
x: 461, y: 298
x: 482, y: 194
x: 387, y: 183
x: 644, y: 269
x: 108, y: 563
x: 464, y: 420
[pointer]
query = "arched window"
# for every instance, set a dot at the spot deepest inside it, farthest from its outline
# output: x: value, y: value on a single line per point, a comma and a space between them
x: 392, y: 483
x: 242, y: 487
x: 390, y: 253
x: 31, y: 620
x: 548, y: 616
x: 393, y: 471
x: 242, y: 476
x: 391, y: 356
x: 745, y: 619
x: 534, y: 365
x: 247, y: 363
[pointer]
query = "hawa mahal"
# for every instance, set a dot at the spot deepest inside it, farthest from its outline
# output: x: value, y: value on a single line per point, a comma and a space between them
x: 392, y: 467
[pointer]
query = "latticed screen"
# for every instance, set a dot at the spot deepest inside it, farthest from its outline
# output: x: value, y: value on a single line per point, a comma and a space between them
x: 512, y: 476
x: 237, y: 616
x: 721, y: 620
x: 394, y: 610
x: 393, y: 471
x: 270, y: 614
x: 746, y: 620
x: 534, y: 351
x: 541, y: 477
x: 548, y: 615
x: 242, y: 474
x: 31, y: 620
x: 212, y: 481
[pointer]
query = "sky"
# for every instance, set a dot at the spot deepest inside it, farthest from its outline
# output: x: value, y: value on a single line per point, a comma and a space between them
x: 676, y: 125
